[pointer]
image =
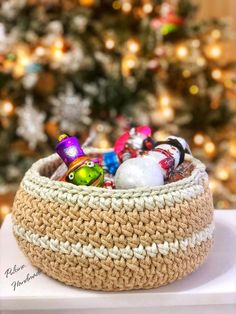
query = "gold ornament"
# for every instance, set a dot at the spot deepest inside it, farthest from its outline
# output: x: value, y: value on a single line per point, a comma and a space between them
x: 116, y: 5
x: 62, y: 137
x: 194, y: 89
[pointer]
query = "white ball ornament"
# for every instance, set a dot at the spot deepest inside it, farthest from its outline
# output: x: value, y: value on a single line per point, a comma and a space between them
x: 138, y: 172
x: 152, y: 168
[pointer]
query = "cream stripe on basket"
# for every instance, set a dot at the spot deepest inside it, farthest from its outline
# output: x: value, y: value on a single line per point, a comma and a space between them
x: 102, y: 252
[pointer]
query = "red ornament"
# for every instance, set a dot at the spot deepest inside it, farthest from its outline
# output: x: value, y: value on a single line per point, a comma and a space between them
x: 131, y: 142
x: 170, y: 18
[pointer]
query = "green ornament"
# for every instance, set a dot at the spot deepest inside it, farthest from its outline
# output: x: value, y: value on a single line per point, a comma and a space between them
x: 89, y: 173
x: 168, y: 28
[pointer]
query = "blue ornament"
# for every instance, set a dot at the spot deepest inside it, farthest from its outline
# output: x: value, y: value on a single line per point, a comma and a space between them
x: 111, y: 162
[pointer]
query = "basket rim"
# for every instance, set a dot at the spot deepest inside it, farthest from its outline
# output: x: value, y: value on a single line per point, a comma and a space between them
x: 34, y: 176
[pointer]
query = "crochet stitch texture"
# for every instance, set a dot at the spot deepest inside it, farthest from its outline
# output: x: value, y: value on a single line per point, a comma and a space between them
x: 113, y: 239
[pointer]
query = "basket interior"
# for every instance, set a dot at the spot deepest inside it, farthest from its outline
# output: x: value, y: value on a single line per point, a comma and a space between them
x: 49, y: 168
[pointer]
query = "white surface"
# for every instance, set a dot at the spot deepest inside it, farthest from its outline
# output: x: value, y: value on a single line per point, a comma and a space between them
x: 211, y: 289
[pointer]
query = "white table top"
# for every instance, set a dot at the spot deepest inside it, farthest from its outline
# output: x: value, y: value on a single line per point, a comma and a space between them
x: 213, y: 283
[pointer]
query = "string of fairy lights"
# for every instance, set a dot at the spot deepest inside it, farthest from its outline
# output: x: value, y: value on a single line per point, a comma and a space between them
x: 25, y: 59
x: 22, y: 60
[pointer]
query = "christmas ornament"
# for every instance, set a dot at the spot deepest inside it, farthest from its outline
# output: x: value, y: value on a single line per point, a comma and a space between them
x: 31, y: 124
x: 70, y: 110
x: 82, y: 170
x: 153, y: 167
x: 110, y: 162
x: 138, y: 172
x: 131, y: 142
x: 182, y: 171
x: 167, y: 24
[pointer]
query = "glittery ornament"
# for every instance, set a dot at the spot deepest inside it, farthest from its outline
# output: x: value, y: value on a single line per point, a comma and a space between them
x: 137, y: 172
x: 110, y: 162
x: 82, y: 170
x: 130, y: 143
x: 153, y: 167
x: 31, y: 123
x: 184, y: 170
x: 70, y: 110
x: 167, y: 23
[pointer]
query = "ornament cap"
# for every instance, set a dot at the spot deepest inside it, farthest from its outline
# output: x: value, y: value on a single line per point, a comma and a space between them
x: 62, y: 137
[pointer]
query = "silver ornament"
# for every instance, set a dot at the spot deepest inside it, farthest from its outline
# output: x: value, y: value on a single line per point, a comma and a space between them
x: 71, y: 110
x: 138, y: 172
x: 31, y: 123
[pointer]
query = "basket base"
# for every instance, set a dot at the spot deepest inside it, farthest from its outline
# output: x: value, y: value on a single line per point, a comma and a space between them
x: 116, y: 275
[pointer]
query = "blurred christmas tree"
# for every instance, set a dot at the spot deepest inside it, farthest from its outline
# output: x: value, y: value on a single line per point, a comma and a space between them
x: 79, y: 65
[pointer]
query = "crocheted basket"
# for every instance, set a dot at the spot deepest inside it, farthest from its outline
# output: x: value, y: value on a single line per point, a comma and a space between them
x: 112, y: 240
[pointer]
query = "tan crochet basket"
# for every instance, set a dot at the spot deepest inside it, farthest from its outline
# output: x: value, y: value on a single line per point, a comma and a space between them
x: 113, y: 239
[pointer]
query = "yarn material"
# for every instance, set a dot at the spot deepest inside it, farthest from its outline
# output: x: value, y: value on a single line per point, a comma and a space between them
x: 113, y: 240
x: 115, y: 253
x: 116, y: 275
